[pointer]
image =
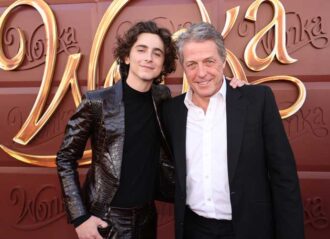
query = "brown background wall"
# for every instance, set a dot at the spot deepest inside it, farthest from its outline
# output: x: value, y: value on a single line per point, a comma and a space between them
x: 30, y: 201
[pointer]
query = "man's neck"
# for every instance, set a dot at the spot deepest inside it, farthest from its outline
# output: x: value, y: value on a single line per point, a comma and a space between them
x: 139, y: 85
x: 200, y: 102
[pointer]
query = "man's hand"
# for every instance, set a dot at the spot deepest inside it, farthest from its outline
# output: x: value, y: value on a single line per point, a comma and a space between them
x: 88, y: 230
x: 234, y: 82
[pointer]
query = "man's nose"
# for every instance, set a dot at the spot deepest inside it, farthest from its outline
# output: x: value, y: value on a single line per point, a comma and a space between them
x: 148, y: 56
x: 201, y: 71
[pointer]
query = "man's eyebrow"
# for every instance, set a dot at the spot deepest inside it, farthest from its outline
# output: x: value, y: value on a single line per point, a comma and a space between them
x: 209, y: 58
x: 190, y: 61
x: 154, y: 49
x: 141, y: 45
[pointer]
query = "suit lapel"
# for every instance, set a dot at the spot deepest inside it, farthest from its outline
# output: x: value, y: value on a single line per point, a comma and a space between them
x: 236, y: 107
x: 113, y: 118
x: 181, y: 145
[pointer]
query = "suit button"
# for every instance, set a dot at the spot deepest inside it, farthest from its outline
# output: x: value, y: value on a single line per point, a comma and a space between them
x: 232, y: 193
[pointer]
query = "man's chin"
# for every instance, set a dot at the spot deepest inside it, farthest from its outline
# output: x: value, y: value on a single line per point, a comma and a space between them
x: 204, y: 93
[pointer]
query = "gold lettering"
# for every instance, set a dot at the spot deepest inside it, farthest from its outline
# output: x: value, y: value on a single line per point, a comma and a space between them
x: 250, y: 55
x: 234, y: 64
x: 6, y: 63
x: 34, y: 122
x: 69, y: 78
x: 102, y: 29
x: 203, y: 11
x: 32, y: 125
x: 231, y: 17
x: 285, y: 113
x: 113, y: 75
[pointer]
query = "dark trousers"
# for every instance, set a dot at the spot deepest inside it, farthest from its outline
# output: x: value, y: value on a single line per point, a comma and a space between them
x: 132, y: 223
x: 198, y: 227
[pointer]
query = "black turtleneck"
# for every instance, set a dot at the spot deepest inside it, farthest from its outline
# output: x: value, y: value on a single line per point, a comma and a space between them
x: 141, y: 150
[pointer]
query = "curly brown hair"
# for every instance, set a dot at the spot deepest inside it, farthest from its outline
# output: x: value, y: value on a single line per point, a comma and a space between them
x: 125, y: 43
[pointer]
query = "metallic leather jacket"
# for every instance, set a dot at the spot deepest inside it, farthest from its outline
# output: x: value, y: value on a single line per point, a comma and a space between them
x: 101, y: 117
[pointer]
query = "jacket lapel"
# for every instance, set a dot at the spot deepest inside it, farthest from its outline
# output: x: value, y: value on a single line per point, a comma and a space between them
x: 180, y: 161
x: 113, y: 122
x: 236, y: 107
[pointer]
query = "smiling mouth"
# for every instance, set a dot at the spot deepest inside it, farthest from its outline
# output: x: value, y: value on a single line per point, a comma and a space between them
x: 148, y: 67
x: 203, y: 83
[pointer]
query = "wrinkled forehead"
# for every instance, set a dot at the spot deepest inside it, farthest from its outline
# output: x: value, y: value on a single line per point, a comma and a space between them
x: 199, y: 49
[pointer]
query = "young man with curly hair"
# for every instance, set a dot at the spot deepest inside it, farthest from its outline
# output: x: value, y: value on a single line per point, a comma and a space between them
x: 123, y: 124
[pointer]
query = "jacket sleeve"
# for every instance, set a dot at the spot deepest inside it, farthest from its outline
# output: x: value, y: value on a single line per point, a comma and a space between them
x: 287, y: 204
x: 76, y: 135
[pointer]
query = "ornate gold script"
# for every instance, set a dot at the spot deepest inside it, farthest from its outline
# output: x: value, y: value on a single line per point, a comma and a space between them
x: 36, y: 120
x: 250, y: 55
x: 32, y: 125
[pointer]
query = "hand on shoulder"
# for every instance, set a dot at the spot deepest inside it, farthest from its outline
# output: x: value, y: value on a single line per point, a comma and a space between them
x: 235, y: 82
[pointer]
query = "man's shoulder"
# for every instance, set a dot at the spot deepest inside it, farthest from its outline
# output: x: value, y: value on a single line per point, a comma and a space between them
x: 254, y: 90
x: 102, y: 93
x: 179, y: 99
x: 161, y: 92
x: 160, y: 87
x: 98, y: 94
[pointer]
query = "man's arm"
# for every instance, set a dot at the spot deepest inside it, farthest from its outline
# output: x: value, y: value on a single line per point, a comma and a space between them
x: 76, y: 135
x: 287, y: 204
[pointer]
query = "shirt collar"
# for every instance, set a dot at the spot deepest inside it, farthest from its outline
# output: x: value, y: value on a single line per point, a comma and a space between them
x: 221, y: 93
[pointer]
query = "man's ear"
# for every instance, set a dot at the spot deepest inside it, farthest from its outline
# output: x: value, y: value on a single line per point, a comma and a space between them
x: 127, y: 61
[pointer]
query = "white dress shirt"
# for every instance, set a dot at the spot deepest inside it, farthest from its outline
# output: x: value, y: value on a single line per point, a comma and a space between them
x: 208, y: 192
